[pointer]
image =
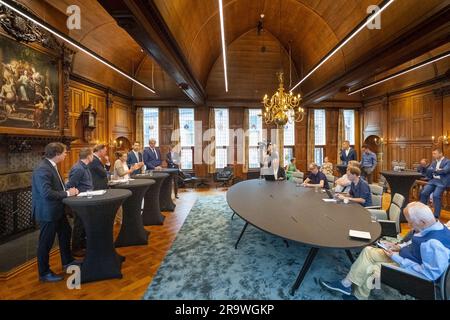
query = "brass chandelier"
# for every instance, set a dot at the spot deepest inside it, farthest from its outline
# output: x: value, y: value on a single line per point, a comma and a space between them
x: 282, y: 107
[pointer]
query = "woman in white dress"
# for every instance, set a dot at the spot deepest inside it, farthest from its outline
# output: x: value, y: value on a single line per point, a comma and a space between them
x: 121, y: 170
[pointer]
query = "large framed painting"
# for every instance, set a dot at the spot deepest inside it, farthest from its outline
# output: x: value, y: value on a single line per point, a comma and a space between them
x: 30, y: 87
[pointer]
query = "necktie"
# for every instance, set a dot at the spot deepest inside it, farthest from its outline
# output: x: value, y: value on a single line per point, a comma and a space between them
x: 59, y: 176
x: 156, y: 155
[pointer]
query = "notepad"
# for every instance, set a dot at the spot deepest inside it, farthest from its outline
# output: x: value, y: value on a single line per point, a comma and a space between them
x: 329, y: 200
x: 359, y: 234
x: 93, y: 193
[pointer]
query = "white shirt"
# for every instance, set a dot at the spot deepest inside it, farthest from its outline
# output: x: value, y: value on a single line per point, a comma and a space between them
x: 59, y: 176
x: 154, y: 151
x: 347, y: 152
x: 136, y: 154
x: 438, y: 166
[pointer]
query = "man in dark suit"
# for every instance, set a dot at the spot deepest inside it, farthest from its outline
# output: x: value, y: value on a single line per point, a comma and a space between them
x: 423, y: 168
x: 347, y: 154
x: 99, y: 171
x: 439, y: 174
x: 135, y: 156
x: 48, y: 191
x: 152, y: 156
x: 173, y: 158
x: 80, y: 177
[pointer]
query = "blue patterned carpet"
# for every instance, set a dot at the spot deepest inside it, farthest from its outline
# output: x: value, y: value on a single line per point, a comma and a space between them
x: 203, y: 264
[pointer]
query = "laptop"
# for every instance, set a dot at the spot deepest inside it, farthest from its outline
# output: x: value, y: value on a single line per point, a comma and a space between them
x: 388, y: 228
x: 330, y: 193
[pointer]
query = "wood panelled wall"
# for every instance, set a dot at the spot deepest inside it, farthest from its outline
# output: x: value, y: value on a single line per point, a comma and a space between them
x: 113, y: 121
x: 407, y: 121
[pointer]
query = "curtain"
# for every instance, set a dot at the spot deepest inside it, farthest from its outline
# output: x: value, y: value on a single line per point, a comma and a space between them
x: 280, y: 144
x: 246, y: 142
x: 341, y: 134
x: 140, y: 126
x: 212, y: 144
x: 310, y: 143
x: 176, y: 126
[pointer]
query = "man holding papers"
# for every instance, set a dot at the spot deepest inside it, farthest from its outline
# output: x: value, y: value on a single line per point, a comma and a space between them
x: 427, y: 255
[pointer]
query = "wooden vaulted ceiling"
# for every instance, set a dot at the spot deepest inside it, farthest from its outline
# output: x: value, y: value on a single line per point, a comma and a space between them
x: 310, y: 27
x: 313, y: 27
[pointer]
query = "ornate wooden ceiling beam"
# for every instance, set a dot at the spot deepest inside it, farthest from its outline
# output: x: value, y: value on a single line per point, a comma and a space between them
x: 142, y: 20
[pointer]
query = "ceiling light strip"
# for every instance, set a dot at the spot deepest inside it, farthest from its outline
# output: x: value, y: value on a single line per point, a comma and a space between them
x: 224, y: 51
x: 412, y: 68
x: 75, y: 44
x: 350, y: 36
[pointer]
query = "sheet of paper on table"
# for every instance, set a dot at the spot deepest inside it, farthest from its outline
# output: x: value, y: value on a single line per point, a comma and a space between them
x: 329, y: 200
x: 359, y: 234
x: 92, y: 193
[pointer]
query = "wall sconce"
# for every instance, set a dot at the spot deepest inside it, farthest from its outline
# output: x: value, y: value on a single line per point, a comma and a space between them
x: 380, y: 141
x: 441, y: 139
x: 115, y: 143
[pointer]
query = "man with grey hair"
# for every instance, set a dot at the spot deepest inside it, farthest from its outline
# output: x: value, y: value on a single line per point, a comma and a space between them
x: 427, y: 255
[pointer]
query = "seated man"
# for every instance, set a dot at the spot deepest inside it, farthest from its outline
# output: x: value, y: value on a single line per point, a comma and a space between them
x: 422, y: 168
x: 426, y: 255
x: 343, y: 183
x: 439, y: 174
x: 359, y: 189
x: 315, y: 178
x: 173, y: 157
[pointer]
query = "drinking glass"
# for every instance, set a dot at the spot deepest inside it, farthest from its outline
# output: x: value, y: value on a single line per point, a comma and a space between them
x: 89, y: 194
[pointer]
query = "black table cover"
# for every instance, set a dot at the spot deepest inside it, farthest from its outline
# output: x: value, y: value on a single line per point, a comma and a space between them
x: 401, y: 182
x: 132, y: 232
x: 174, y: 175
x: 165, y: 197
x: 97, y: 214
x: 151, y: 215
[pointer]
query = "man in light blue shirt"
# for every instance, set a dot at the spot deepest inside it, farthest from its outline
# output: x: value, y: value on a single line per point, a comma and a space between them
x: 368, y: 163
x: 426, y: 255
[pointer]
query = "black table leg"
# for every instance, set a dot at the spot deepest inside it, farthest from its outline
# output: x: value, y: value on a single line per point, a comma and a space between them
x: 350, y: 256
x: 309, y: 260
x: 234, y: 213
x: 240, y: 236
x: 286, y: 243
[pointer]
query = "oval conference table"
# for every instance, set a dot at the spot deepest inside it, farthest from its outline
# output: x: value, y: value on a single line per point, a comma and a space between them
x: 97, y: 214
x: 299, y: 214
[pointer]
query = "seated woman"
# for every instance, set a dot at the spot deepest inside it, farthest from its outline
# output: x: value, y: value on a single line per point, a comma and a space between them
x: 121, y: 170
x: 290, y: 168
x: 327, y: 167
x: 316, y: 178
x: 343, y: 183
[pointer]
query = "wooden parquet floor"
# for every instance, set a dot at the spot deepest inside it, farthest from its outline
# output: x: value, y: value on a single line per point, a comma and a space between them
x: 141, y: 265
